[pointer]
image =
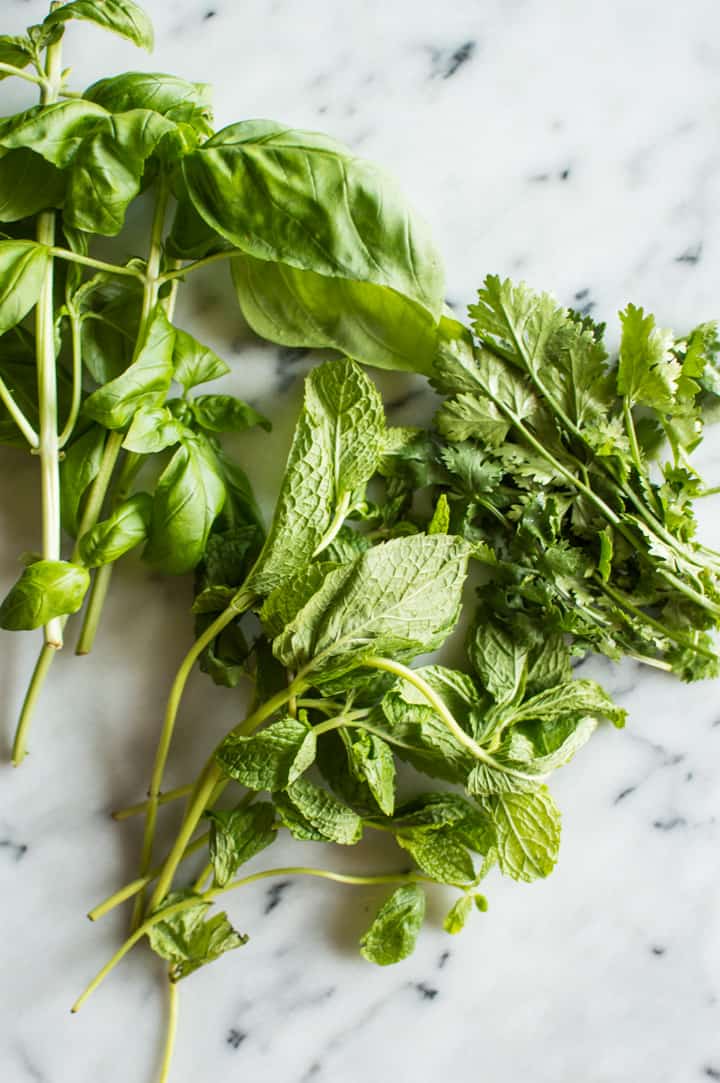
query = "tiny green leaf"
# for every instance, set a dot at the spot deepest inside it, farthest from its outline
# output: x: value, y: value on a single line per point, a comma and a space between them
x: 225, y: 413
x: 194, y: 363
x: 189, y: 940
x: 312, y: 813
x: 457, y: 915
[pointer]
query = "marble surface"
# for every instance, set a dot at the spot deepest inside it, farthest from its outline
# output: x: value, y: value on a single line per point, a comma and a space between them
x: 577, y: 146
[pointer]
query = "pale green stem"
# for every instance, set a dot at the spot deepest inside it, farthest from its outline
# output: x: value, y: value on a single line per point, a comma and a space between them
x: 709, y: 492
x: 18, y: 416
x: 211, y: 778
x: 21, y: 73
x: 91, y: 511
x: 199, y: 882
x: 439, y: 705
x: 163, y: 799
x: 336, y: 524
x: 234, y: 610
x: 208, y: 896
x: 76, y: 336
x: 180, y: 272
x: 47, y: 376
x: 675, y: 636
x: 127, y: 892
x: 97, y: 264
x: 172, y: 1022
x: 93, y: 610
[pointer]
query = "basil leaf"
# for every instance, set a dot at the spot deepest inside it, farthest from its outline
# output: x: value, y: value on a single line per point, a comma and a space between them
x: 189, y: 497
x: 107, y: 170
x: 14, y: 50
x: 125, y: 528
x: 188, y: 940
x: 195, y: 363
x: 270, y: 759
x: 225, y: 413
x: 46, y: 589
x: 110, y: 323
x: 56, y: 132
x: 153, y: 428
x: 78, y: 470
x: 172, y: 97
x: 238, y: 835
x: 401, y: 597
x: 22, y: 271
x: 310, y: 812
x: 395, y: 928
x: 28, y: 184
x: 122, y: 17
x: 300, y: 198
x: 528, y: 833
x: 370, y: 323
x: 144, y: 383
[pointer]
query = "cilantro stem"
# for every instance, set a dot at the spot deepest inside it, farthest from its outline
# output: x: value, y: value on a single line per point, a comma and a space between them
x: 97, y: 264
x: 172, y: 1021
x: 163, y: 799
x: 675, y: 636
x: 709, y: 492
x: 168, y: 728
x: 18, y: 416
x: 439, y: 705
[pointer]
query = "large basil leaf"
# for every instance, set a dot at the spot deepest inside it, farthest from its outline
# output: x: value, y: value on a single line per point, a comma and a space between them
x: 28, y: 184
x: 172, y: 97
x: 370, y: 323
x: 189, y: 497
x: 107, y: 170
x: 111, y: 310
x: 22, y: 269
x: 54, y: 131
x: 303, y: 199
x: 122, y: 17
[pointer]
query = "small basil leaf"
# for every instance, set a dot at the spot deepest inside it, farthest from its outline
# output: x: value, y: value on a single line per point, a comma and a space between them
x: 195, y: 363
x: 46, y: 589
x: 225, y: 413
x: 78, y: 470
x: 127, y: 527
x: 153, y: 428
x: 122, y: 17
x: 16, y: 51
x: 394, y: 931
x: 172, y: 97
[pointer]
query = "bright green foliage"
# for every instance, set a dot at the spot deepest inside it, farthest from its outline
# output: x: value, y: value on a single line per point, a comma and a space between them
x: 393, y: 933
x: 236, y: 835
x: 46, y: 589
x: 189, y: 940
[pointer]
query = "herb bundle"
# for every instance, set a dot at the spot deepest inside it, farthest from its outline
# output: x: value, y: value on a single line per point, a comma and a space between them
x: 323, y: 252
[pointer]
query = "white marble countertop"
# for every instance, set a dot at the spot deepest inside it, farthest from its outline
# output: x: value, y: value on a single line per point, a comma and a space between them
x: 578, y: 147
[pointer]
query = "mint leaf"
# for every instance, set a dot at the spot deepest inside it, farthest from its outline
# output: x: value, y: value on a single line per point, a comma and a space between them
x: 311, y: 813
x: 188, y: 940
x: 394, y: 931
x: 528, y: 833
x: 237, y: 835
x: 270, y: 759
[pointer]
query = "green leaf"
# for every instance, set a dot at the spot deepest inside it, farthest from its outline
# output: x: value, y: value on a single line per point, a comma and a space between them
x: 280, y: 607
x: 451, y: 815
x: 153, y: 428
x: 22, y: 271
x: 188, y: 940
x: 402, y: 596
x: 302, y: 199
x: 56, y: 132
x: 106, y: 173
x: 418, y: 736
x: 111, y: 312
x: 528, y: 832
x: 225, y: 413
x: 310, y: 812
x: 28, y: 184
x: 270, y: 759
x: 498, y: 659
x: 143, y: 384
x: 225, y: 659
x: 440, y: 522
x: 549, y: 664
x: 394, y: 931
x: 224, y: 566
x: 78, y: 470
x: 372, y: 761
x: 369, y: 323
x: 122, y: 17
x: 172, y: 97
x: 571, y: 698
x: 125, y: 528
x: 238, y: 835
x: 16, y: 51
x: 440, y: 855
x: 189, y: 496
x: 457, y: 915
x: 647, y: 372
x: 46, y: 589
x: 320, y: 462
x: 194, y: 363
